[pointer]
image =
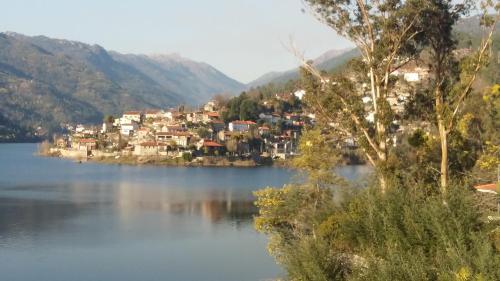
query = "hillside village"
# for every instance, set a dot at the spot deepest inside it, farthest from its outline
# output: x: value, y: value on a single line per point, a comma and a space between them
x: 213, y: 131
x: 187, y: 134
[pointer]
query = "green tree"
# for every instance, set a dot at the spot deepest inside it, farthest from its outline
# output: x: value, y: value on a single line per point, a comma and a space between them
x: 204, y: 133
x: 232, y: 145
x: 109, y: 119
x: 383, y: 31
x: 249, y: 110
x: 451, y: 83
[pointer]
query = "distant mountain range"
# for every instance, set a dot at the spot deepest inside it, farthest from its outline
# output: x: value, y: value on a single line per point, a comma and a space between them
x: 468, y: 32
x: 47, y: 82
x: 327, y: 61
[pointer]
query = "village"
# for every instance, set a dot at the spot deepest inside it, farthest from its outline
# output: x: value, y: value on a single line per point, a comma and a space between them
x: 204, y: 136
x: 190, y: 135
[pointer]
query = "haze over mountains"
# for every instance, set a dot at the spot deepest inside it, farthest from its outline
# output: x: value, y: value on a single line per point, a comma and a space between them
x: 47, y: 82
x: 327, y: 61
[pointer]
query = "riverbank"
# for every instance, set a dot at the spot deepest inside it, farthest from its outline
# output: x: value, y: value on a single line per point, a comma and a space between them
x: 204, y: 161
x: 178, y: 161
x: 208, y: 161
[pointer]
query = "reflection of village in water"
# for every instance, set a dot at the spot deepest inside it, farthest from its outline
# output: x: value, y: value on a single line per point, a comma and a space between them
x: 213, y: 205
x: 20, y: 213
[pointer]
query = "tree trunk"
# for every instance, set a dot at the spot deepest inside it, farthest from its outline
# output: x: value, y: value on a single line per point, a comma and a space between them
x: 443, y: 135
x: 382, y: 182
x: 443, y: 138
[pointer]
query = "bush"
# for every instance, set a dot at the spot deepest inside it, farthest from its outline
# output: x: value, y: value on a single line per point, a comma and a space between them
x: 403, y: 234
x: 187, y: 156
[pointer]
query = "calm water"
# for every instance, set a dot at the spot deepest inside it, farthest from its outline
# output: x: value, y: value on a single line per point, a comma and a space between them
x: 61, y: 220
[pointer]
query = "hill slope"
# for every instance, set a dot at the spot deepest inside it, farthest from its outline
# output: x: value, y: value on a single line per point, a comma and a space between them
x: 47, y: 82
x: 197, y: 81
x: 327, y: 61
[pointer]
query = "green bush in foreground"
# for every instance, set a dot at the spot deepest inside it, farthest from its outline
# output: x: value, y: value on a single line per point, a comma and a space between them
x: 401, y: 234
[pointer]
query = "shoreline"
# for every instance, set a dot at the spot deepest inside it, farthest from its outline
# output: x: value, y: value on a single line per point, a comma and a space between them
x: 206, y: 161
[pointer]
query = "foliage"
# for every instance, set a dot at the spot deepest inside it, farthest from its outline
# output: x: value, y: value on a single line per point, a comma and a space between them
x: 318, y: 156
x: 232, y: 145
x: 402, y: 228
x: 403, y: 234
x: 186, y: 156
x: 249, y: 110
x: 203, y: 133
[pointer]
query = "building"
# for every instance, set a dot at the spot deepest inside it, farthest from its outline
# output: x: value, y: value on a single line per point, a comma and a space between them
x: 282, y: 149
x: 149, y: 148
x: 241, y: 126
x: 195, y: 117
x: 210, y: 106
x: 87, y: 145
x: 181, y: 139
x: 226, y: 135
x: 217, y: 125
x: 143, y: 133
x: 133, y: 116
x: 128, y: 129
x: 264, y: 130
x: 210, y: 147
x: 487, y: 188
x: 270, y: 118
x: 299, y: 94
x: 106, y: 127
x: 62, y: 143
x: 153, y: 114
x: 210, y: 116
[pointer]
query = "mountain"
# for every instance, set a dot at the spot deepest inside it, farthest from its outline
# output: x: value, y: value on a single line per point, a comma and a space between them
x: 327, y: 61
x: 198, y: 81
x: 47, y: 82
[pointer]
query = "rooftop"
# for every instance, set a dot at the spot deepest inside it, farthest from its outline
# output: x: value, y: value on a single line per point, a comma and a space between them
x: 243, y: 122
x: 148, y: 143
x: 209, y: 143
x: 490, y: 188
x: 132, y: 113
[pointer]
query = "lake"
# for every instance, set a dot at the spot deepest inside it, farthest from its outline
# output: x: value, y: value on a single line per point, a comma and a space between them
x: 61, y: 220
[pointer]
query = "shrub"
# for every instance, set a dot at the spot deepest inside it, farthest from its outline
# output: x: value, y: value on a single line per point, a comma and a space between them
x: 402, y: 234
x: 186, y: 156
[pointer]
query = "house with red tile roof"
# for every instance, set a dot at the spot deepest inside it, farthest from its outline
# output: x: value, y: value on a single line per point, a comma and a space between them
x: 87, y: 145
x: 210, y: 147
x: 487, y: 188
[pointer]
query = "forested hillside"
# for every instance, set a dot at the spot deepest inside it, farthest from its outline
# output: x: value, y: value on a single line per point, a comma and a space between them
x: 47, y: 82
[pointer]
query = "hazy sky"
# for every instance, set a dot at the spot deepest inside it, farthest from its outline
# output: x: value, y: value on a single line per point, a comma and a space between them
x: 242, y: 38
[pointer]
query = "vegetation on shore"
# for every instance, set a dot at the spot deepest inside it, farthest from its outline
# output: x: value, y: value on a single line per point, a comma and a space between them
x: 419, y: 217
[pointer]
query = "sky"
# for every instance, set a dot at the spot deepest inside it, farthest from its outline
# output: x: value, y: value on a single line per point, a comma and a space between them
x: 242, y: 38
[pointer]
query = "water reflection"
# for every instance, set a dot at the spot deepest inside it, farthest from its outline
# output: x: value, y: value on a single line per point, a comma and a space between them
x: 63, y: 221
x: 29, y: 210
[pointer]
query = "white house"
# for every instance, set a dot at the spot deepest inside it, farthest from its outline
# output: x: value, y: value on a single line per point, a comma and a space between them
x: 181, y: 139
x: 299, y: 94
x: 135, y: 116
x: 210, y: 106
x: 79, y: 128
x: 127, y: 129
x: 270, y: 118
x: 240, y: 126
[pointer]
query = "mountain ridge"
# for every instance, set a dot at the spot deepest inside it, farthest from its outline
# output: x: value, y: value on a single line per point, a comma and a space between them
x: 326, y: 61
x: 47, y: 82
